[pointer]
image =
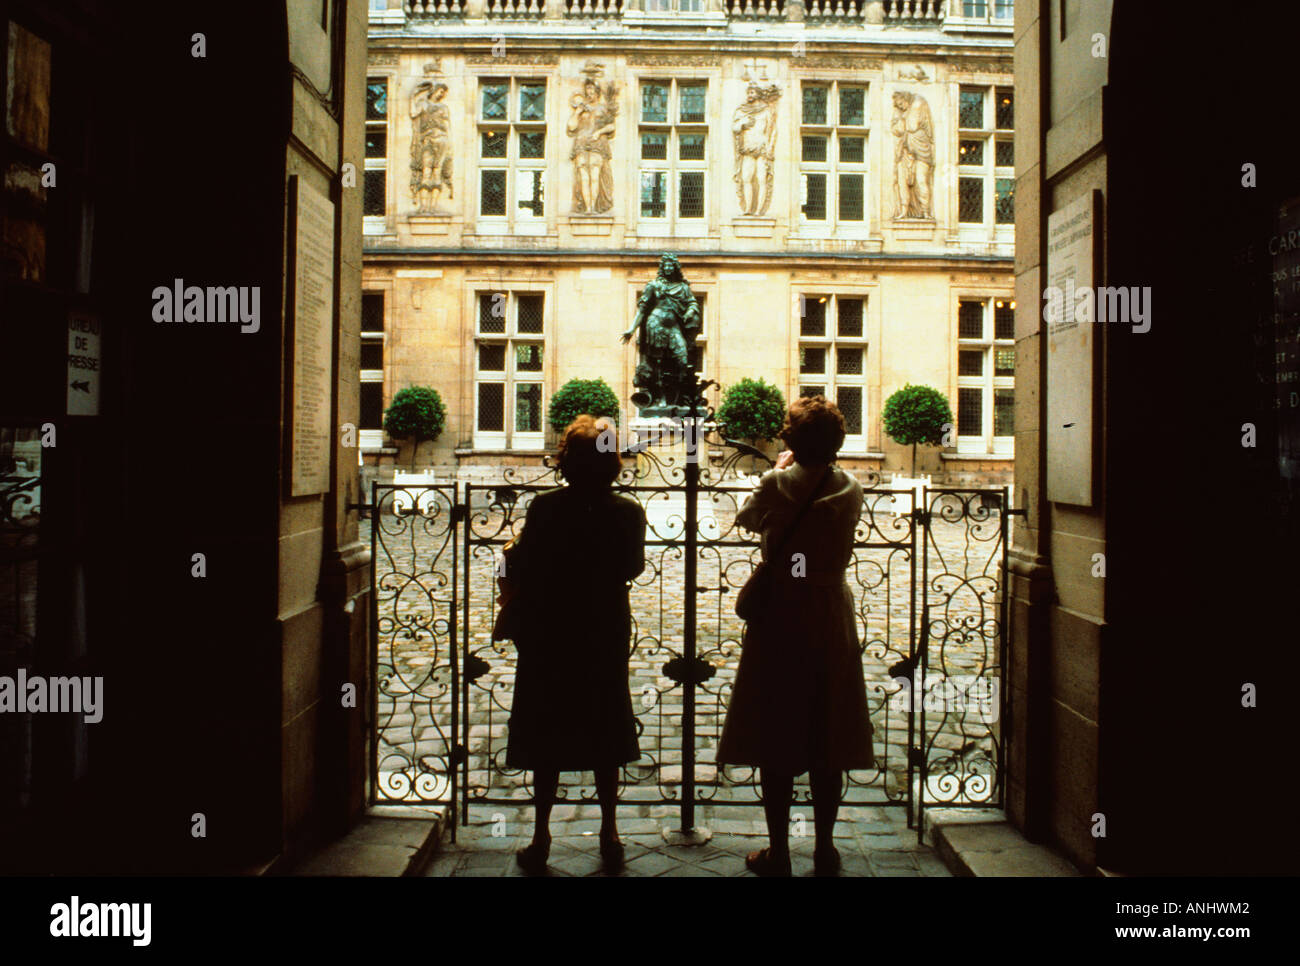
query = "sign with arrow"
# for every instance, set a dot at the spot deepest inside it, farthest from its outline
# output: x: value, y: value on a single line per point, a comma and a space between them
x: 83, y: 364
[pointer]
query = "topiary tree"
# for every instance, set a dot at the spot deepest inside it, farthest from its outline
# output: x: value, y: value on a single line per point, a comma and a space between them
x: 917, y: 414
x: 751, y: 409
x: 576, y: 397
x: 416, y: 413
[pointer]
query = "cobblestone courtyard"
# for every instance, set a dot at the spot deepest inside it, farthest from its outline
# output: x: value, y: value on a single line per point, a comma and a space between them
x: 871, y: 842
x: 418, y: 562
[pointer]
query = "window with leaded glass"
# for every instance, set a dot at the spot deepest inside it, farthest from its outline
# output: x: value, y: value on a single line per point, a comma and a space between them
x: 371, y: 420
x: 374, y: 198
x: 832, y: 358
x: 986, y: 156
x: 986, y: 370
x: 509, y: 362
x: 833, y: 153
x: 673, y: 155
x: 512, y: 149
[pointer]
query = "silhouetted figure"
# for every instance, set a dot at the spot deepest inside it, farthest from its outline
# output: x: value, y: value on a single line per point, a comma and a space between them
x: 572, y: 709
x: 799, y: 703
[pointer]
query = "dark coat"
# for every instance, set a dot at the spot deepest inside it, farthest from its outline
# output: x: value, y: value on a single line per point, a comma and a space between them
x: 572, y: 708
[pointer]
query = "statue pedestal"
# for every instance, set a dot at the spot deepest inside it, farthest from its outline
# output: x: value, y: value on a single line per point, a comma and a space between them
x: 913, y: 229
x: 753, y: 226
x: 664, y: 464
x: 591, y: 224
x: 433, y: 223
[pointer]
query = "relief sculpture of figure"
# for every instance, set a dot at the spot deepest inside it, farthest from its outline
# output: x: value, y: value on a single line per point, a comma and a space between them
x: 913, y: 132
x: 754, y: 126
x: 592, y: 126
x: 430, y: 146
x: 669, y: 317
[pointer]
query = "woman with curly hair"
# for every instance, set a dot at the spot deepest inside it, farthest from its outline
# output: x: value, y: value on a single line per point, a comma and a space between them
x: 799, y: 703
x: 572, y: 709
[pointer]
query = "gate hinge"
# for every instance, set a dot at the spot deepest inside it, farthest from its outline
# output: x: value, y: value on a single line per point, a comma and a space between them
x: 459, y: 512
x: 459, y: 755
x: 695, y: 671
x: 915, y: 757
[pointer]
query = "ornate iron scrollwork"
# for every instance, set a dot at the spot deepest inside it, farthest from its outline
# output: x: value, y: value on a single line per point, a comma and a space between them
x: 694, y: 672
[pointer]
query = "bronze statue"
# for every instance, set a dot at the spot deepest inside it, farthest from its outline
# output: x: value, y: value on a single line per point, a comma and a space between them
x: 669, y: 318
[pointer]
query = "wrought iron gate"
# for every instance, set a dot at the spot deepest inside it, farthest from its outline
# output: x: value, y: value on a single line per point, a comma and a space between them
x: 928, y: 583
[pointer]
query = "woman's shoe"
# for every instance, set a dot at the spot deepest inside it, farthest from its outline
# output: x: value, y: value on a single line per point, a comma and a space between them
x: 532, y: 858
x: 763, y: 864
x: 612, y: 854
x: 826, y: 862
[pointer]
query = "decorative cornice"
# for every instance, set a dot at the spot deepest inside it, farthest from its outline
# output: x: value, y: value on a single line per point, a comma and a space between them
x: 532, y: 59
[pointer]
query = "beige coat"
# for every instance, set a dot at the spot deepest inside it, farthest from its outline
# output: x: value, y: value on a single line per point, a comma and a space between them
x: 800, y: 700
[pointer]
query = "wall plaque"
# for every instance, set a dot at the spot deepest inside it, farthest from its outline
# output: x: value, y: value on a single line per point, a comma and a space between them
x: 1071, y: 351
x: 312, y: 275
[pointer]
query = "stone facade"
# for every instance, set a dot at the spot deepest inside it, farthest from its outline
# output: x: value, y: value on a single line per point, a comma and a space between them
x: 769, y: 152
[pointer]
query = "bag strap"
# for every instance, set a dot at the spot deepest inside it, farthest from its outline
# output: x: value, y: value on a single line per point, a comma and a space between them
x: 802, y: 510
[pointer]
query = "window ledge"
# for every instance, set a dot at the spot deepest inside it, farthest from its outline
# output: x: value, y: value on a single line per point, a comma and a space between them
x: 981, y: 457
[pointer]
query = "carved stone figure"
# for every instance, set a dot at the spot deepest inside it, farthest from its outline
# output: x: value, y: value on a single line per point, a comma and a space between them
x: 592, y: 127
x: 669, y: 318
x: 913, y: 132
x: 430, y: 146
x: 754, y: 126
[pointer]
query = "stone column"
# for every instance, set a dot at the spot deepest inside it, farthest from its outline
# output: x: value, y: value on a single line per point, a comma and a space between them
x: 554, y: 10
x: 874, y: 12
x: 475, y: 9
x: 794, y: 11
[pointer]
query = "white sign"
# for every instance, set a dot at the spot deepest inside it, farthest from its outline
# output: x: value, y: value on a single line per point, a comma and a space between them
x: 83, y: 364
x: 1071, y: 342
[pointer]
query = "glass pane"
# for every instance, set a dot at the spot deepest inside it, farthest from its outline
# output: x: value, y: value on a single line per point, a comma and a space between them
x: 970, y: 200
x: 376, y: 141
x: 970, y: 362
x: 654, y: 145
x: 372, y: 354
x: 814, y: 148
x: 654, y: 194
x: 849, y: 399
x: 1004, y: 319
x: 691, y: 107
x: 532, y: 102
x: 1004, y: 9
x: 690, y: 147
x: 690, y: 203
x: 529, y: 311
x: 812, y: 360
x: 493, y: 101
x: 1006, y: 111
x: 970, y: 412
x: 848, y: 362
x: 970, y: 110
x: 970, y: 320
x: 492, y: 312
x: 372, y: 405
x: 970, y: 152
x: 1004, y: 362
x: 812, y: 390
x: 372, y: 312
x: 814, y: 105
x: 492, y: 407
x: 658, y: 6
x: 850, y: 197
x: 532, y: 144
x: 654, y: 103
x: 849, y: 312
x: 813, y: 322
x: 376, y: 197
x: 1006, y: 154
x: 492, y: 358
x: 493, y: 144
x: 853, y: 150
x: 695, y: 353
x: 530, y: 192
x: 492, y: 194
x: 690, y: 6
x: 814, y: 197
x: 1005, y: 202
x: 528, y: 408
x: 528, y: 357
x: 853, y: 101
x: 974, y: 8
x: 376, y: 99
x: 1004, y: 412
